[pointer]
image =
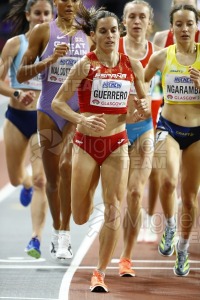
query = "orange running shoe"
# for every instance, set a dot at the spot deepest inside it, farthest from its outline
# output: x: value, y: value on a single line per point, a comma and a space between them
x: 97, y: 283
x: 125, y: 269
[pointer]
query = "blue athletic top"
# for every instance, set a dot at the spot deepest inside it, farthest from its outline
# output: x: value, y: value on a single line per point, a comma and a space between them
x: 32, y: 84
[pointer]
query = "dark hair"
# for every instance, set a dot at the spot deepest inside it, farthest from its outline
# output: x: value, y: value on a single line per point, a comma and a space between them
x: 17, y: 17
x: 88, y: 18
x: 183, y: 7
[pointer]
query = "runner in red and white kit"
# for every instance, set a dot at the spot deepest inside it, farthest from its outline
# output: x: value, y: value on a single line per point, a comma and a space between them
x: 103, y: 79
x: 137, y: 17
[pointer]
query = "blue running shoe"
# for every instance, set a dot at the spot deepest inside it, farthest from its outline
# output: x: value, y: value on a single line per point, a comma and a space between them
x: 26, y: 196
x: 33, y: 248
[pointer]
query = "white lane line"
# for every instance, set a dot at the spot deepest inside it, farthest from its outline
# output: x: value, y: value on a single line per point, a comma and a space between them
x: 27, y: 298
x: 116, y: 260
x: 81, y: 252
x: 21, y: 260
x: 18, y: 267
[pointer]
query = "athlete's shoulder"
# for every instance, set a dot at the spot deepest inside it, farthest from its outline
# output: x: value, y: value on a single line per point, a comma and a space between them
x: 41, y: 29
x: 160, y: 38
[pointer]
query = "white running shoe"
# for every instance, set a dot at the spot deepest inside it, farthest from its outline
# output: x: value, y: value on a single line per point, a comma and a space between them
x: 54, y: 244
x: 64, y: 246
x: 141, y: 235
x: 150, y: 236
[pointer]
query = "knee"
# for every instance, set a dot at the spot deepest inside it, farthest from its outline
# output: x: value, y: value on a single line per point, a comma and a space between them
x: 39, y: 181
x: 189, y: 200
x: 82, y: 212
x: 134, y: 196
x: 51, y: 187
x: 168, y: 184
x: 80, y: 219
x: 16, y: 180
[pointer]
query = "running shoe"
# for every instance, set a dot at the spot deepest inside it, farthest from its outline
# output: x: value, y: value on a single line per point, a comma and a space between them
x: 54, y: 245
x: 166, y: 246
x: 141, y: 234
x: 125, y: 269
x: 26, y: 196
x: 33, y: 248
x: 182, y: 267
x: 150, y: 236
x: 97, y: 283
x: 64, y: 250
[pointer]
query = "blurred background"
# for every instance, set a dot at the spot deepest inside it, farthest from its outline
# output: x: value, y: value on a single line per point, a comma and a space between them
x: 161, y: 14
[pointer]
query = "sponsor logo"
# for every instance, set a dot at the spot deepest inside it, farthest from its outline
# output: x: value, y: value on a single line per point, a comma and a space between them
x: 78, y: 142
x: 69, y: 62
x: 169, y: 97
x: 176, y: 71
x: 59, y: 37
x: 120, y: 141
x: 95, y: 101
x: 95, y: 69
x: 111, y: 76
x: 112, y: 85
x: 53, y: 78
x: 182, y: 79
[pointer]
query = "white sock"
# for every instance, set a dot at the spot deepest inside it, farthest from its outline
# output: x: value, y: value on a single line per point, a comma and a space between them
x: 54, y: 231
x: 64, y: 232
x: 183, y: 244
x: 149, y: 221
x: 171, y: 222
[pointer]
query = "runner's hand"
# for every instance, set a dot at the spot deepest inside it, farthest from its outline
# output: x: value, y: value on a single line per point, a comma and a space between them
x: 95, y: 122
x: 26, y: 98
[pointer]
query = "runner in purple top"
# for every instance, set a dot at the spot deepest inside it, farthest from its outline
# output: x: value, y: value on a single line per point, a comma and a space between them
x: 58, y: 45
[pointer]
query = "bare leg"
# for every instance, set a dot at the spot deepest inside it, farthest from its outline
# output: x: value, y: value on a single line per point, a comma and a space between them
x: 16, y: 146
x: 39, y: 199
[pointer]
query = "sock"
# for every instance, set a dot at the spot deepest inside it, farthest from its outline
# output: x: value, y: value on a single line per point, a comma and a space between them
x: 171, y: 222
x: 64, y: 232
x: 102, y: 273
x: 54, y: 231
x: 149, y: 221
x: 183, y: 244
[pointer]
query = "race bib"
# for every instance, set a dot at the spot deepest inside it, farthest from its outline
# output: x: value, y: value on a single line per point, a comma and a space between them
x: 110, y: 93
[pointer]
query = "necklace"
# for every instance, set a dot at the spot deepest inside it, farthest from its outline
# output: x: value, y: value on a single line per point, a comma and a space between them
x: 67, y: 29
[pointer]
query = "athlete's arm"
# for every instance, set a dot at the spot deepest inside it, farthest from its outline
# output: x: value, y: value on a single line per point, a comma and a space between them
x: 38, y: 40
x: 138, y: 105
x: 156, y: 62
x: 9, y: 52
x: 77, y: 73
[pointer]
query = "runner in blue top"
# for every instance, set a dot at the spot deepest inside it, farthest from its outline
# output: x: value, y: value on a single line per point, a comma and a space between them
x: 20, y: 129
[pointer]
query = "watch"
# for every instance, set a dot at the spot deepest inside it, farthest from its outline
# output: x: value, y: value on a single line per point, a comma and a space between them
x: 16, y: 94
